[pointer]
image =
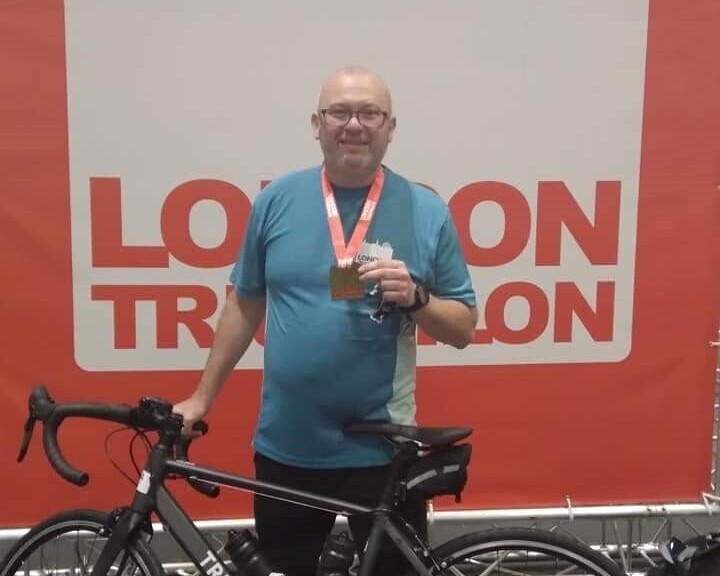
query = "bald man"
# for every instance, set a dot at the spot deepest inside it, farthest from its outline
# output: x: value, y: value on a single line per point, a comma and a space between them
x: 347, y: 259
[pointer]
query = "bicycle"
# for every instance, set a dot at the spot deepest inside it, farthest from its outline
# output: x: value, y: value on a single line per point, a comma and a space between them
x: 84, y: 542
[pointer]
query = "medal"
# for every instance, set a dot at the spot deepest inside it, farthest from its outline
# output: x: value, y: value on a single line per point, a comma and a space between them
x: 345, y: 283
x: 344, y: 279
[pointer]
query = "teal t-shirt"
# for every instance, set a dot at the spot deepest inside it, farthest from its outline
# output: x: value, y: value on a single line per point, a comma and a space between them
x: 326, y: 362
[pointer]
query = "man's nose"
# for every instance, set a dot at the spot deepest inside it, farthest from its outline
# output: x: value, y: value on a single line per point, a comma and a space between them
x: 354, y: 123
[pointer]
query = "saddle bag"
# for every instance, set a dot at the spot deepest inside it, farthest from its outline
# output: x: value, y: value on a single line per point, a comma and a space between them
x: 441, y: 471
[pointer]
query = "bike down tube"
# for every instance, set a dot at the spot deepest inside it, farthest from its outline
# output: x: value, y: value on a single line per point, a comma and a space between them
x: 122, y: 532
x: 190, y: 470
x: 187, y: 535
x: 138, y: 513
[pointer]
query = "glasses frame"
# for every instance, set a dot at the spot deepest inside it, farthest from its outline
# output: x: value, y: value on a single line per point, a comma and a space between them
x: 355, y: 114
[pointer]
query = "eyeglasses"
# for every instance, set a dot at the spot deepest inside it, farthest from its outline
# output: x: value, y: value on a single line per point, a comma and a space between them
x: 368, y: 117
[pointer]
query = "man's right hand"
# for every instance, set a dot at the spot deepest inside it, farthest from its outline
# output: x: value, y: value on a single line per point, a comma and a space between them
x: 192, y: 409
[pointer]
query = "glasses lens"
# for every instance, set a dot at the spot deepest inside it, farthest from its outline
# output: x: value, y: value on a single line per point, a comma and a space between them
x: 337, y: 116
x: 371, y: 118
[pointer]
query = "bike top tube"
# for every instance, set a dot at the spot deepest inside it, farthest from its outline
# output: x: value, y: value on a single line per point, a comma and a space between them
x: 186, y: 469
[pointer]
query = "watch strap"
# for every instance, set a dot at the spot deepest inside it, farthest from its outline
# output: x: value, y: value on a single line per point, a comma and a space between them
x: 422, y: 297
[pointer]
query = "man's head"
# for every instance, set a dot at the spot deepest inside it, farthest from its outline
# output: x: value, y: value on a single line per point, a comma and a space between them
x: 354, y: 124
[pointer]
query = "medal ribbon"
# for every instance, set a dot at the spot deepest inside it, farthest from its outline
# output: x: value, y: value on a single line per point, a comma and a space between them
x: 345, y: 255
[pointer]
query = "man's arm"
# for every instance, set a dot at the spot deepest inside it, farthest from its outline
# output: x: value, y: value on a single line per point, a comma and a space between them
x: 449, y: 321
x: 239, y: 320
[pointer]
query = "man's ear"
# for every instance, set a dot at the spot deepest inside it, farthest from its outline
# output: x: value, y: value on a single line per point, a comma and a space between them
x: 315, y: 123
x: 393, y: 125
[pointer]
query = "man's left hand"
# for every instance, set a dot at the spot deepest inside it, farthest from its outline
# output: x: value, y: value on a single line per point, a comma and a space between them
x: 393, y: 278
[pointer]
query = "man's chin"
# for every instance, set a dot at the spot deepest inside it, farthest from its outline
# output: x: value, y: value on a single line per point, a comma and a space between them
x: 356, y: 163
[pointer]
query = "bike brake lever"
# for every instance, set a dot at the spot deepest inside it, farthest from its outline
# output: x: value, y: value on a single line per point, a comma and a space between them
x: 205, y: 487
x: 27, y: 436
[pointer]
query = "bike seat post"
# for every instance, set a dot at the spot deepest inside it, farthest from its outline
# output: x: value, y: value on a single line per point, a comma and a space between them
x: 394, y: 491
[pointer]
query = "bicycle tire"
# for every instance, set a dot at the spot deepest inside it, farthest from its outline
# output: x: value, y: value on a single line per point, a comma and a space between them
x: 522, y: 551
x: 75, y: 535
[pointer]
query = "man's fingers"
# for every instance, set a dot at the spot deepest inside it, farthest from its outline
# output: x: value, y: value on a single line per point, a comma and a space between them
x: 393, y: 286
x: 385, y: 274
x: 371, y: 275
x: 187, y: 430
x: 381, y: 264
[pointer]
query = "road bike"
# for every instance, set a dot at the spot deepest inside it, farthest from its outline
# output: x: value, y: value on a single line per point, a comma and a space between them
x: 431, y: 460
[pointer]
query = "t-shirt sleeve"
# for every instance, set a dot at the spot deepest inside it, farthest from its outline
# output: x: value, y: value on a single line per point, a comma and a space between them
x: 452, y: 279
x: 248, y: 274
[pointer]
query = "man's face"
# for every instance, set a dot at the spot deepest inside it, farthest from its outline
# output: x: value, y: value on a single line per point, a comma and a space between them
x: 354, y: 124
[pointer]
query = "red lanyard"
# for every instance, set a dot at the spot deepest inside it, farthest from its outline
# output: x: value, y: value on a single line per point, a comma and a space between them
x: 346, y: 254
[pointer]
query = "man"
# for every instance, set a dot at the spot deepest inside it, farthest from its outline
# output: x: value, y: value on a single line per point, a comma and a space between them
x: 346, y: 258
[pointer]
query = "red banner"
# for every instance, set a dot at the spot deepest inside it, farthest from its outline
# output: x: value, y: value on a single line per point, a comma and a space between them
x: 628, y: 431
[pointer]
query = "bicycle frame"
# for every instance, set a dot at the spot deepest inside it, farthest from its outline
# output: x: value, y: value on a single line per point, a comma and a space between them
x: 168, y: 458
x: 151, y: 495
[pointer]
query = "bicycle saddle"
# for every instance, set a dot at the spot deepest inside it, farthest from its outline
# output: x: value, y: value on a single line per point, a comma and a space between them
x: 427, y: 435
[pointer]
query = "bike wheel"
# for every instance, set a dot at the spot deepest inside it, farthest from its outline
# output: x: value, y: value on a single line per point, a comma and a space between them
x: 522, y: 551
x: 69, y: 543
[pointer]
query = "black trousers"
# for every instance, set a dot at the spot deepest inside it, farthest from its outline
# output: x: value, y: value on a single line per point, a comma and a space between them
x: 291, y: 537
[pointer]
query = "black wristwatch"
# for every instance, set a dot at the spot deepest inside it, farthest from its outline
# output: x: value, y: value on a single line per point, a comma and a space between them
x: 422, y: 297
